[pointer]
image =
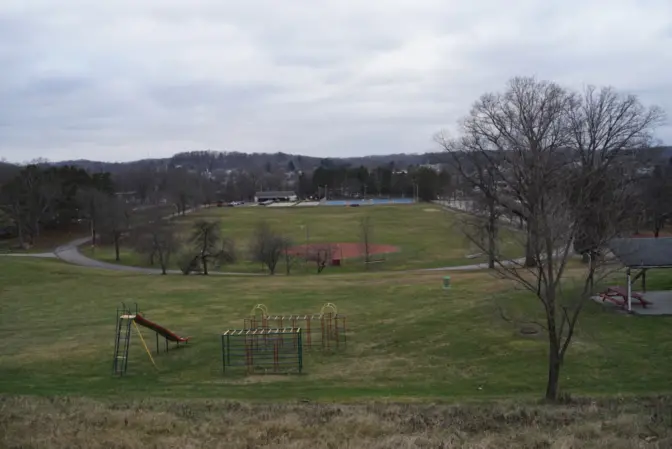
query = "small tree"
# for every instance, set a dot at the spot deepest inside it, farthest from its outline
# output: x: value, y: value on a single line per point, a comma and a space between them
x: 366, y: 234
x: 206, y: 237
x: 267, y: 246
x: 113, y: 222
x: 212, y: 249
x: 92, y: 205
x: 320, y: 255
x: 290, y: 257
x: 157, y: 240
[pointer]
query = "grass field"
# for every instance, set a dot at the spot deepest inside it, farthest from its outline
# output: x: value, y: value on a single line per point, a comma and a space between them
x: 412, y: 348
x: 408, y: 340
x: 65, y: 423
x: 425, y: 235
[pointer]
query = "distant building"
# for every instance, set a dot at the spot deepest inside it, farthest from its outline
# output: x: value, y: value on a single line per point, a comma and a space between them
x: 275, y: 195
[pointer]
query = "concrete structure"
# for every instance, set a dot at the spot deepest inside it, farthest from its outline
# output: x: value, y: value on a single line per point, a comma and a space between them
x: 275, y: 195
x: 660, y: 303
x: 641, y: 254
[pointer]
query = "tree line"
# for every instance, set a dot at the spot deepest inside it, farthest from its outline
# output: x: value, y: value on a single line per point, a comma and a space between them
x: 188, y: 187
x: 37, y: 198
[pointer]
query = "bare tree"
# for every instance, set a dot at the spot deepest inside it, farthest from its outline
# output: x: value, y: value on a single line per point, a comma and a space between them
x: 554, y: 156
x: 113, y: 221
x: 212, y: 249
x: 92, y: 203
x: 476, y: 168
x: 656, y: 192
x: 268, y: 246
x: 183, y: 188
x: 606, y: 130
x: 157, y: 239
x: 290, y: 256
x: 366, y: 234
x: 320, y: 255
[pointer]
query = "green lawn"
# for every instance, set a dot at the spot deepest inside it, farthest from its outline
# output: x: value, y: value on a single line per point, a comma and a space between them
x: 407, y: 337
x: 425, y: 235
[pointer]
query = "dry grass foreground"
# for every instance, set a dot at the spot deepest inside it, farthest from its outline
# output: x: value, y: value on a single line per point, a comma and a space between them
x: 63, y: 423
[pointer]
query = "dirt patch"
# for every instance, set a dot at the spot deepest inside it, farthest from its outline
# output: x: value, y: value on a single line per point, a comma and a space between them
x: 431, y: 210
x: 341, y: 250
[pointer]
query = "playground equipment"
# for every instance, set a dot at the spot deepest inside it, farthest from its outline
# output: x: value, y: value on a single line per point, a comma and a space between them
x: 274, y: 343
x: 263, y: 350
x: 331, y: 332
x: 127, y: 319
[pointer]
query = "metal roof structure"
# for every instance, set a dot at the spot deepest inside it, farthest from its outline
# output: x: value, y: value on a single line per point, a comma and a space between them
x: 643, y: 252
x: 275, y: 194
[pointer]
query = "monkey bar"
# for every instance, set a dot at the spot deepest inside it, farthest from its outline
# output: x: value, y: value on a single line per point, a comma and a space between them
x: 269, y: 351
x: 326, y: 329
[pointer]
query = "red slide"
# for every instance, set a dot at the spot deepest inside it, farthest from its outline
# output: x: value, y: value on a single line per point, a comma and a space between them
x: 142, y: 321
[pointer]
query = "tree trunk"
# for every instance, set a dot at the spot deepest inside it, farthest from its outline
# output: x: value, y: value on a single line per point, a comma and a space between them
x: 162, y: 261
x: 116, y: 247
x: 529, y: 250
x: 19, y: 228
x: 204, y: 261
x: 553, y: 373
x: 492, y: 241
x: 93, y: 232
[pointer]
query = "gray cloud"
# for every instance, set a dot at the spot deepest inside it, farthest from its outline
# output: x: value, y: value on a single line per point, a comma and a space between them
x: 139, y: 78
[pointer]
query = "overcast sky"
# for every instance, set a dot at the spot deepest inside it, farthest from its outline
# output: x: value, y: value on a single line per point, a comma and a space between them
x: 127, y: 79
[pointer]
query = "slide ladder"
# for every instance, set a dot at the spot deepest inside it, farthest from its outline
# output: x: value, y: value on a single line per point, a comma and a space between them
x: 122, y: 340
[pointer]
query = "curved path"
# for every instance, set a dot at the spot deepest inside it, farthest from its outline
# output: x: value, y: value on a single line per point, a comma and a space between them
x: 70, y: 253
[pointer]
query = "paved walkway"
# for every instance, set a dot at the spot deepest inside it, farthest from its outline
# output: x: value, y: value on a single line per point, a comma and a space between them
x: 70, y: 253
x: 38, y: 255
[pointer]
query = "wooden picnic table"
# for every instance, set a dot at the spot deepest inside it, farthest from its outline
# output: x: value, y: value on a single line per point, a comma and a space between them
x: 613, y: 293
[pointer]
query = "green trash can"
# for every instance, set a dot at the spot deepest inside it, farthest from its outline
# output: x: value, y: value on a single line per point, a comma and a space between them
x: 446, y: 282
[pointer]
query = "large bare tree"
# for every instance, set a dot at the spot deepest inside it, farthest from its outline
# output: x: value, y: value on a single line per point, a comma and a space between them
x: 557, y: 160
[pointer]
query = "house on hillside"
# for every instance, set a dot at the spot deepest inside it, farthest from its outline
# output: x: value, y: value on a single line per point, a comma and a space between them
x: 275, y: 195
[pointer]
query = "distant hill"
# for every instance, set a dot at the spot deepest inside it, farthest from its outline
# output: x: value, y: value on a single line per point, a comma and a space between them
x: 274, y: 162
x: 211, y: 160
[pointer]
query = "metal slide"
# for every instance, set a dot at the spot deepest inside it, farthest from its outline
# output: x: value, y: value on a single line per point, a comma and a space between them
x: 165, y: 333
